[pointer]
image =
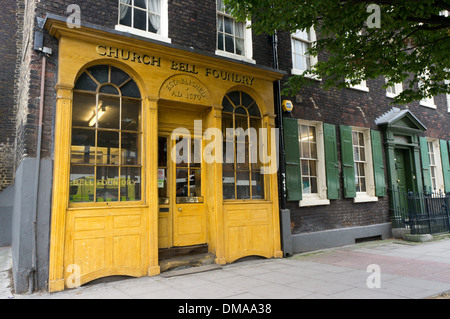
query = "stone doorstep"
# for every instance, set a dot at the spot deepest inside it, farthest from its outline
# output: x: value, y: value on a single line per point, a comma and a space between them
x: 186, y: 261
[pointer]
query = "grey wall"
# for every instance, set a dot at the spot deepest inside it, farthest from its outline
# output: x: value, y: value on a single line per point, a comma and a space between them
x: 6, y: 210
x: 22, y: 223
x: 338, y: 237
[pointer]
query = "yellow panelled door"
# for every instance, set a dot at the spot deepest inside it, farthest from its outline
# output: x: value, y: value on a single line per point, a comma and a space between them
x: 182, y: 211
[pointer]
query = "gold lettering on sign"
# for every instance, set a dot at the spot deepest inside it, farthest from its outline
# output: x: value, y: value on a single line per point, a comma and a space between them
x: 185, y: 88
x: 127, y: 55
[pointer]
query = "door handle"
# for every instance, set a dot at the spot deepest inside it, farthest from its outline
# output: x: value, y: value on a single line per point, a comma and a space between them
x: 179, y: 209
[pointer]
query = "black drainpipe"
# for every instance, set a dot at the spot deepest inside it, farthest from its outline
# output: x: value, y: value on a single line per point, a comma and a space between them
x: 285, y: 218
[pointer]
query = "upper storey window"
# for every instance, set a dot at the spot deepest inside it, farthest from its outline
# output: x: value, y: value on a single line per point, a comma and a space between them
x: 234, y: 39
x: 148, y: 18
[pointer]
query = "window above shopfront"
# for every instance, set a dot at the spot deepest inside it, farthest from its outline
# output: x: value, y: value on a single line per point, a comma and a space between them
x: 147, y: 18
x: 234, y: 39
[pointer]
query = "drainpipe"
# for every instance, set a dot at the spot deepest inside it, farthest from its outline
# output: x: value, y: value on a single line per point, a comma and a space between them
x: 285, y: 219
x: 32, y: 274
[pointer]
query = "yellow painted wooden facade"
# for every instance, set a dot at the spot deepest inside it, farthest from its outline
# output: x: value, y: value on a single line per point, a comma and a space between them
x: 177, y: 88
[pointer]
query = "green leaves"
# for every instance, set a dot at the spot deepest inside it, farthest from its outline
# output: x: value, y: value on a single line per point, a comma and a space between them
x: 413, y: 39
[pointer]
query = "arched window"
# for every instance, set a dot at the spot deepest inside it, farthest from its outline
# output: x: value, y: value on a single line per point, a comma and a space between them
x: 106, y: 163
x: 241, y: 121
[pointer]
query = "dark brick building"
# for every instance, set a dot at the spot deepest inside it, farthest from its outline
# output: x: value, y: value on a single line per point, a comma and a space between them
x: 345, y: 140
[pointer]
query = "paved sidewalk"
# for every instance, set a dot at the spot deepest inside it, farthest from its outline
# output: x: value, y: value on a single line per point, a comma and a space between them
x: 5, y: 266
x: 407, y: 271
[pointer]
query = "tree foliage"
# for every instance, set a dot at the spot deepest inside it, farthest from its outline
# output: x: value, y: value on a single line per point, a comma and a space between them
x: 410, y: 46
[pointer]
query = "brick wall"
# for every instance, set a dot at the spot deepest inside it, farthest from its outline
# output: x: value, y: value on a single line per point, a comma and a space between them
x: 193, y: 24
x: 8, y: 52
x: 354, y: 108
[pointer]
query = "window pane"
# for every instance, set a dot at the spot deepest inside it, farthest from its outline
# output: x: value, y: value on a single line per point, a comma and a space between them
x: 313, y: 147
x: 83, y: 110
x: 130, y: 89
x: 140, y: 19
x: 220, y: 44
x: 107, y: 148
x: 109, y: 89
x: 362, y: 154
x: 257, y: 186
x: 182, y: 152
x: 243, y: 185
x: 196, y: 153
x: 130, y: 149
x: 305, y: 168
x: 118, y: 77
x: 306, y: 185
x: 314, y: 185
x: 131, y: 110
x: 83, y: 147
x: 125, y: 15
x: 229, y: 44
x: 229, y: 23
x: 130, y: 184
x: 306, y: 151
x: 356, y: 153
x: 242, y: 156
x: 162, y: 152
x: 195, y: 183
x: 109, y: 112
x: 228, y: 155
x: 81, y: 184
x: 313, y: 168
x: 86, y: 83
x: 140, y: 4
x: 182, y: 183
x: 100, y: 73
x: 228, y: 185
x: 240, y: 47
x: 107, y: 184
x: 220, y: 23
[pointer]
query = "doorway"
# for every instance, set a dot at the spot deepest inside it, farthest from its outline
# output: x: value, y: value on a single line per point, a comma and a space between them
x: 182, y: 211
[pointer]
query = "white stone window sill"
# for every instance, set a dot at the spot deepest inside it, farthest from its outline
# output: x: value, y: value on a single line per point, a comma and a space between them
x: 429, y: 105
x: 235, y: 56
x: 309, y: 76
x: 306, y: 202
x: 364, y: 198
x: 391, y: 95
x: 145, y: 34
x: 359, y: 88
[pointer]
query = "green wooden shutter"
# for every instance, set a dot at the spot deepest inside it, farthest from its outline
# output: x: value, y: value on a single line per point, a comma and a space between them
x: 292, y: 159
x: 348, y: 165
x: 331, y: 160
x: 425, y: 164
x: 445, y: 165
x: 378, y: 164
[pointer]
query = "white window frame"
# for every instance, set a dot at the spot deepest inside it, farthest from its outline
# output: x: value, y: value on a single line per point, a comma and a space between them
x: 321, y: 198
x: 397, y: 88
x: 312, y: 59
x: 448, y: 96
x: 162, y: 36
x: 435, y: 159
x: 370, y: 194
x: 362, y: 86
x: 248, y: 43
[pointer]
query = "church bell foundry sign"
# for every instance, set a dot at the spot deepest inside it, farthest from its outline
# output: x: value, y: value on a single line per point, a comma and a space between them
x: 180, y: 87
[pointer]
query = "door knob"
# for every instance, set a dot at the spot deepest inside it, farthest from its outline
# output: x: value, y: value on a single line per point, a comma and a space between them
x: 179, y: 209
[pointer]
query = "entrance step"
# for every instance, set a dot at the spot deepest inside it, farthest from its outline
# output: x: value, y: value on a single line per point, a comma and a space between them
x: 184, y: 258
x: 182, y: 251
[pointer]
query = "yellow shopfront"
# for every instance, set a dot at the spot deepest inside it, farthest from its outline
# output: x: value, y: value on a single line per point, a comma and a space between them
x: 143, y: 160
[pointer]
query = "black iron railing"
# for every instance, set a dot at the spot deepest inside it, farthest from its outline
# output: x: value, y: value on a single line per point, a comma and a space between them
x: 422, y: 213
